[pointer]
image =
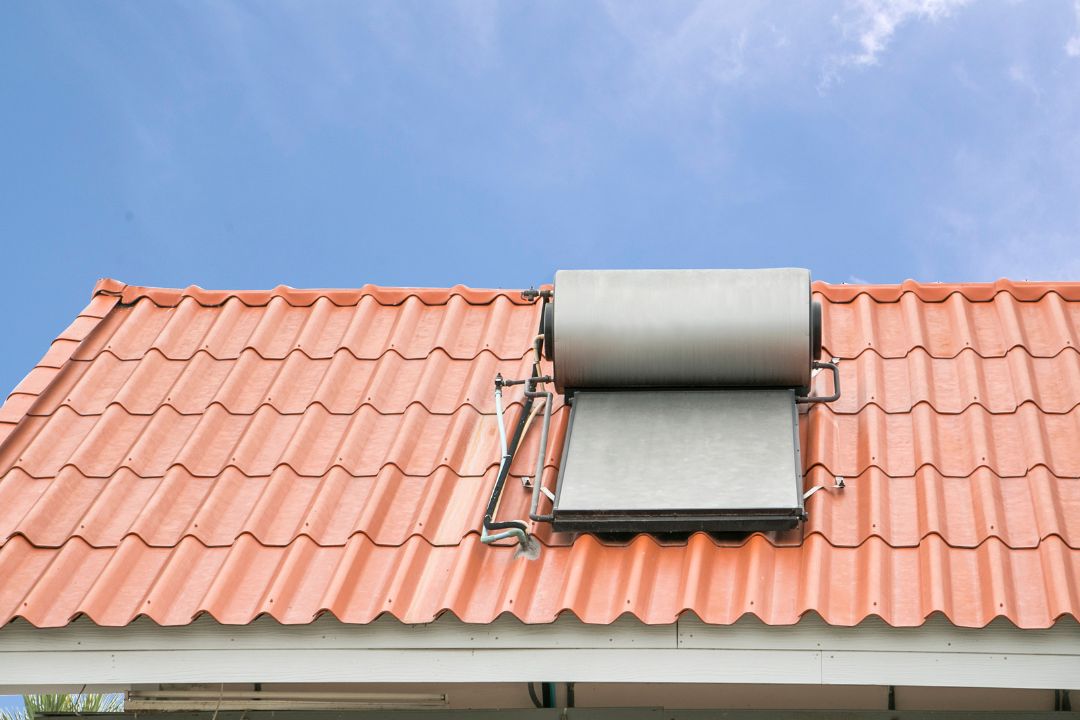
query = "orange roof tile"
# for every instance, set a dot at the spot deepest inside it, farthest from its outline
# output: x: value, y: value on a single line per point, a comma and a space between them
x: 294, y: 452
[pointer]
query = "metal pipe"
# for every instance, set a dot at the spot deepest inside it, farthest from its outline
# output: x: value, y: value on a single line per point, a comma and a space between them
x: 499, y: 416
x: 541, y: 452
x: 532, y: 294
x: 516, y: 529
x: 511, y: 528
x: 531, y: 393
x: 517, y: 533
x: 836, y: 384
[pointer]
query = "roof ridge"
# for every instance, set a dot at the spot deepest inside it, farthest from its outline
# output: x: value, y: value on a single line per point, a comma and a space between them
x: 305, y: 297
x: 1021, y: 290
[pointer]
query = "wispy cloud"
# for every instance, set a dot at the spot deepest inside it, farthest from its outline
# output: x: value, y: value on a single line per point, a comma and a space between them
x: 1072, y: 46
x: 704, y: 47
x: 873, y: 24
x: 876, y: 22
x: 685, y: 49
x: 1030, y: 256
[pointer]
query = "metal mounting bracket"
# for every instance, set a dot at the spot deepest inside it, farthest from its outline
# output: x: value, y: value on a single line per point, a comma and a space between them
x: 820, y: 365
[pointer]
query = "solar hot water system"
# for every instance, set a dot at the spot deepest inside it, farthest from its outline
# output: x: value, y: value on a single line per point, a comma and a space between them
x: 683, y: 387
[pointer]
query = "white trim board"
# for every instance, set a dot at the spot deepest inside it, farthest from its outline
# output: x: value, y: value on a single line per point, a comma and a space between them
x: 448, y: 650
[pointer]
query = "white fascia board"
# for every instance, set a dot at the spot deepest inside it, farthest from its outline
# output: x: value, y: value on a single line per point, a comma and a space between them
x: 448, y: 650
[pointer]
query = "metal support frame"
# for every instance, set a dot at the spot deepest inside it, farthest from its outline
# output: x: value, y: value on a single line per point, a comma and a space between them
x: 531, y: 394
x: 494, y: 530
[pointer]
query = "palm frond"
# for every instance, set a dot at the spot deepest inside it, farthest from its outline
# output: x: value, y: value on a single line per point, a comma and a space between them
x: 64, y: 703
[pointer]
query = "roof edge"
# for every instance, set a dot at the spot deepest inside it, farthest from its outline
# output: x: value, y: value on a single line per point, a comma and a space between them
x: 37, y: 382
x: 1022, y: 291
x: 448, y: 650
x: 305, y: 297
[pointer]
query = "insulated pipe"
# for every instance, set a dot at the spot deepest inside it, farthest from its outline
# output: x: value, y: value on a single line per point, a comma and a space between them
x: 504, y: 466
x: 499, y: 416
x: 516, y: 533
x: 511, y: 528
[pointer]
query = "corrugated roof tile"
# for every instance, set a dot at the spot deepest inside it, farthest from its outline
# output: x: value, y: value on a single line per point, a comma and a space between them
x: 952, y: 385
x: 445, y: 507
x: 416, y: 582
x: 416, y: 441
x: 292, y: 452
x: 368, y: 329
x: 1044, y: 327
x: 956, y: 445
x: 341, y: 384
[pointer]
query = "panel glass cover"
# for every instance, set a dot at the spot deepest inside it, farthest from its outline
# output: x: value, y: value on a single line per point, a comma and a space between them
x: 642, y: 460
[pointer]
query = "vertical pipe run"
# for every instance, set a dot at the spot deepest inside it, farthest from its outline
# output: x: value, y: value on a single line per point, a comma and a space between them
x: 547, y: 691
x: 538, y: 479
x: 502, y: 424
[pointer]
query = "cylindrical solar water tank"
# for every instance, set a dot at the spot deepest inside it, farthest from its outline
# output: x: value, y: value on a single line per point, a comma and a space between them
x: 681, y: 328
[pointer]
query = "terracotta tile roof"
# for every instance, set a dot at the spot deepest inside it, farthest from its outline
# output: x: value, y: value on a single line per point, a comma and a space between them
x: 294, y: 452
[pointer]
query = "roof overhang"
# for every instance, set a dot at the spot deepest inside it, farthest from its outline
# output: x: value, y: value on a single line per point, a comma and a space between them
x: 448, y: 650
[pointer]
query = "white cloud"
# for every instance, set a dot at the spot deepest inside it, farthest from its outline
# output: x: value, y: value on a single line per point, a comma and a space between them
x: 873, y: 24
x: 876, y: 21
x: 1072, y: 47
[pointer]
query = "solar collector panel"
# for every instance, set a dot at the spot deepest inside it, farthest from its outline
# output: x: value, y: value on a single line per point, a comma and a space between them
x: 684, y: 388
x: 680, y: 460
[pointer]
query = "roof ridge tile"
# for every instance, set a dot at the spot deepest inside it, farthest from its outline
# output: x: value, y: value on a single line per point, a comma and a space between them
x: 304, y: 297
x: 933, y: 292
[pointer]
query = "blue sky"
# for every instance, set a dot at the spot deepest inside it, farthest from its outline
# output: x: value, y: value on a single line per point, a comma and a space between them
x: 322, y: 144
